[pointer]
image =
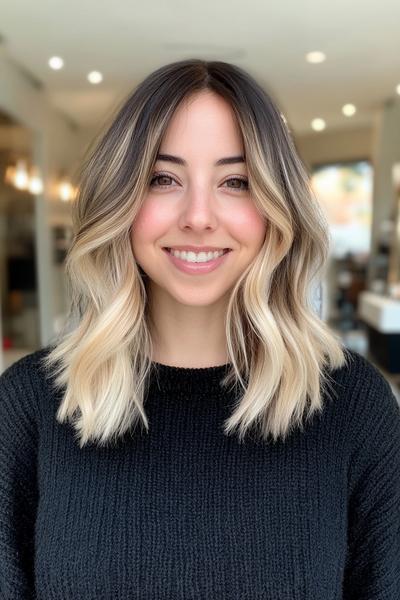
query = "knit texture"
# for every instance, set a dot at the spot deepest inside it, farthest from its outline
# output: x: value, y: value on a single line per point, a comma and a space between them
x: 187, y: 512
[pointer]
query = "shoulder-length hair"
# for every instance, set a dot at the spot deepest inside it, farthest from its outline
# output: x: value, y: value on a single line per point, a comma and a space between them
x: 279, y: 349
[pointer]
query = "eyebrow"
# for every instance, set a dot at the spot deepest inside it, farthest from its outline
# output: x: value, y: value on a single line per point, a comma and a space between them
x: 229, y: 160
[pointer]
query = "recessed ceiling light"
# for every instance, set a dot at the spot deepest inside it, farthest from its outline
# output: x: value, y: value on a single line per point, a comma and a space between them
x: 315, y: 57
x: 56, y: 63
x: 95, y: 77
x: 398, y: 89
x: 318, y: 124
x: 348, y: 110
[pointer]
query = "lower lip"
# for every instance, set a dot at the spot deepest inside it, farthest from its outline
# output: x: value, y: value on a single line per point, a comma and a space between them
x: 196, y: 268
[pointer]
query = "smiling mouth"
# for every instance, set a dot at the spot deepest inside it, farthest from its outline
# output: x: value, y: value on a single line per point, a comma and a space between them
x: 201, y: 264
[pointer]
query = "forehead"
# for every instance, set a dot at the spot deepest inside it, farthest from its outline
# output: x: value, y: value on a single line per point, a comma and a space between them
x: 204, y: 119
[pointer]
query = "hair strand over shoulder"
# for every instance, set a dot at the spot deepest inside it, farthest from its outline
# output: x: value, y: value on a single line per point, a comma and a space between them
x: 279, y: 348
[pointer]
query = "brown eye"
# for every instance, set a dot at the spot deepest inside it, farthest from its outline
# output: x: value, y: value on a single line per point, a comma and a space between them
x: 164, y: 180
x: 240, y: 181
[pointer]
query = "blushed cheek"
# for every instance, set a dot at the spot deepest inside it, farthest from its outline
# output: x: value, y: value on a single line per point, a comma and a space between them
x: 148, y: 224
x: 245, y: 225
x: 248, y: 226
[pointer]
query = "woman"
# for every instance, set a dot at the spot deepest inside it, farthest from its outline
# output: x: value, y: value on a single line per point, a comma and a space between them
x: 197, y: 240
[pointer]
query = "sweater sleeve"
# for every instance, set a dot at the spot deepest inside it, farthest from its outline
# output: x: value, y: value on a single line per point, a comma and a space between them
x: 18, y: 487
x: 372, y: 570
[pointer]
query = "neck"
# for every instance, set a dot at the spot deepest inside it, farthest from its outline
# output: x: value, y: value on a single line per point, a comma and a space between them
x: 188, y: 336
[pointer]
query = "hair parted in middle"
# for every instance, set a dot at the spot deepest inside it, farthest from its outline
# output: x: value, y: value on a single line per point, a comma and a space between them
x: 279, y: 349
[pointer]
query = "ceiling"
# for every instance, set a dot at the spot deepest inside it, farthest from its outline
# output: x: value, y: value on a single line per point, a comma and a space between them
x: 127, y: 39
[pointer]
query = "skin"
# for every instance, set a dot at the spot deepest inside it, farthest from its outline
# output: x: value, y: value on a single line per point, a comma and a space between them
x: 199, y: 207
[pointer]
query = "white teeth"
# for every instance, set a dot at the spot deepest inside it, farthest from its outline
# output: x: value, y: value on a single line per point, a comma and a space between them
x: 193, y: 257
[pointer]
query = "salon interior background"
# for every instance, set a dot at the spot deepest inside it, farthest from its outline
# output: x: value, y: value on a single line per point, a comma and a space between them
x: 334, y: 69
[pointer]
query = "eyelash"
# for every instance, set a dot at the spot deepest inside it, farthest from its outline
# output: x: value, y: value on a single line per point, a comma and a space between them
x: 243, y: 179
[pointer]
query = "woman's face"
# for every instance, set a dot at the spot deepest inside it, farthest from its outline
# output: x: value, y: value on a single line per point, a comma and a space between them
x: 198, y: 203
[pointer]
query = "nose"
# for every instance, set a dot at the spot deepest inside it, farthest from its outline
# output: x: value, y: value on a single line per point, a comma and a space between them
x: 199, y: 209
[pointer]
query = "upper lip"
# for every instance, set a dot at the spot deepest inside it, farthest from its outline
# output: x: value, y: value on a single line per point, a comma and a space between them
x: 196, y: 248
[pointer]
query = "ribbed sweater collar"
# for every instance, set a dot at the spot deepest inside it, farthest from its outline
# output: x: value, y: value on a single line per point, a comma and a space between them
x: 188, y: 380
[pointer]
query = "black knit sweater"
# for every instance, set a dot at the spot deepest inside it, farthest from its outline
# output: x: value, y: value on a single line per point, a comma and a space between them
x: 187, y: 512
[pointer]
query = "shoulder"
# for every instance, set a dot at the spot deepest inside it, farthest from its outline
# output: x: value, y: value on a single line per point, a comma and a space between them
x: 359, y: 379
x: 22, y: 384
x: 370, y: 412
x: 26, y: 370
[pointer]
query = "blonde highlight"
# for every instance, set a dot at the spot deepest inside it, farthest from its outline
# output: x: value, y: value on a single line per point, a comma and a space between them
x: 280, y: 350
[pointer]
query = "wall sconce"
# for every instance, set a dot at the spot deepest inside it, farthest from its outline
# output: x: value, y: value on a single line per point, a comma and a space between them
x: 29, y: 179
x: 23, y: 179
x: 66, y: 191
x: 21, y: 176
x: 35, y: 182
x: 9, y: 175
